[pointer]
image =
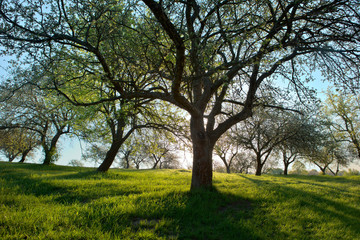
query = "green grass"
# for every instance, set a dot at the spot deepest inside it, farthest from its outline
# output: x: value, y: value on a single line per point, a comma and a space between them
x: 56, y: 202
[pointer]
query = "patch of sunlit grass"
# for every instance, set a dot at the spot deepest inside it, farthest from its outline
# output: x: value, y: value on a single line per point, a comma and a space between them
x: 55, y: 202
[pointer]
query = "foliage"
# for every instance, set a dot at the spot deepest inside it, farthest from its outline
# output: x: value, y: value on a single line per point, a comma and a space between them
x: 323, y: 151
x: 57, y: 202
x: 43, y: 114
x: 298, y: 168
x: 197, y: 55
x: 16, y: 141
x: 342, y: 110
x: 265, y: 132
x: 76, y: 163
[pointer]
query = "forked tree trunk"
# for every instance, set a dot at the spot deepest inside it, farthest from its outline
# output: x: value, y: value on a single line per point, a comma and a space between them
x: 202, y: 155
x: 156, y: 162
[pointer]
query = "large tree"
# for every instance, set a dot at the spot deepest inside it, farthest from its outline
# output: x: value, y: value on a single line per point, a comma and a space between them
x: 197, y: 55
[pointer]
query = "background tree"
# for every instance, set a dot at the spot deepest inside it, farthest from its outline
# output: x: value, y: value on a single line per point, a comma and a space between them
x: 228, y: 151
x: 28, y: 143
x: 243, y: 162
x: 298, y: 168
x: 264, y: 132
x: 302, y: 134
x: 112, y: 123
x: 193, y: 53
x: 342, y: 110
x: 160, y: 146
x: 95, y: 153
x: 9, y: 143
x: 125, y: 151
x: 326, y: 151
x: 39, y: 112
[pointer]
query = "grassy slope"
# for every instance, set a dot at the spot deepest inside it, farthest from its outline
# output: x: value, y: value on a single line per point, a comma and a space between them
x: 55, y: 202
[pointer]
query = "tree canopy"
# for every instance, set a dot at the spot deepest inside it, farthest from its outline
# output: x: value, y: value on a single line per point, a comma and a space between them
x: 197, y: 55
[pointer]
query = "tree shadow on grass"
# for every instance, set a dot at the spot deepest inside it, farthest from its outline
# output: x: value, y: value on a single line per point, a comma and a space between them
x: 200, y: 214
x: 214, y: 215
x: 203, y: 214
x: 322, y: 204
x: 61, y: 188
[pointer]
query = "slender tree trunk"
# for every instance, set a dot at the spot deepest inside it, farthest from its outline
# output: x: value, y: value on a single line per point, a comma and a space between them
x: 227, y: 166
x: 24, y: 154
x: 202, y: 155
x: 156, y: 162
x: 110, y: 156
x: 127, y: 163
x: 11, y: 158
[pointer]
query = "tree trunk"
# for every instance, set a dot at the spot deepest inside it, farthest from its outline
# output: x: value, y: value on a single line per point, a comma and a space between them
x: 286, y: 166
x: 49, y: 155
x: 156, y: 162
x: 202, y: 155
x: 259, y: 166
x: 51, y: 151
x: 12, y: 157
x: 110, y: 156
x: 227, y: 166
x: 24, y: 154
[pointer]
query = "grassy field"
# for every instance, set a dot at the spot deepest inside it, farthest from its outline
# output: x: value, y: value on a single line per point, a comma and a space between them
x: 56, y: 202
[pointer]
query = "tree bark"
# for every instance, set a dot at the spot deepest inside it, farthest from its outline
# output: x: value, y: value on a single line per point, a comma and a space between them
x: 156, y: 162
x: 24, y: 154
x: 259, y: 166
x: 11, y: 158
x: 286, y: 166
x: 110, y: 156
x: 49, y: 154
x: 202, y: 155
x: 227, y: 166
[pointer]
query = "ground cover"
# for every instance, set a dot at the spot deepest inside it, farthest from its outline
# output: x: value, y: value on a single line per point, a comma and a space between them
x: 57, y: 202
